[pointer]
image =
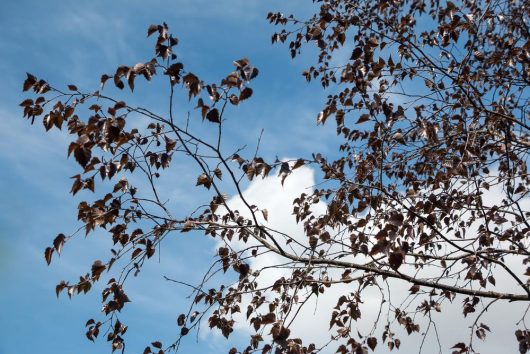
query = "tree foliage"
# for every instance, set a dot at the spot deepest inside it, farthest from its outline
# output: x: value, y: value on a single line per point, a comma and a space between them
x: 431, y: 107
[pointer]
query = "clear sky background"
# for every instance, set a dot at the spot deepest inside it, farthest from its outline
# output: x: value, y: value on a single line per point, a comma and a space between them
x: 75, y: 42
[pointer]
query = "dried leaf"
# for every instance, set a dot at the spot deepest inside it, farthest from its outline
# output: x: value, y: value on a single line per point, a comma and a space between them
x: 204, y: 180
x: 58, y: 243
x: 188, y: 226
x: 213, y: 116
x: 97, y: 268
x: 82, y: 155
x: 246, y: 93
x: 241, y: 63
x: 395, y: 259
x: 356, y: 54
x: 372, y: 342
x: 103, y: 79
x: 363, y: 118
x: 218, y: 173
x: 48, y: 255
x: 152, y: 29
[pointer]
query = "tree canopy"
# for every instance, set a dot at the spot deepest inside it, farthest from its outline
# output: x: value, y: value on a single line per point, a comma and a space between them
x: 427, y: 194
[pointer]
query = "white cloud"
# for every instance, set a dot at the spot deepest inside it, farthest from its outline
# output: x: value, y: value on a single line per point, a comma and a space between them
x: 313, y: 319
x: 268, y: 193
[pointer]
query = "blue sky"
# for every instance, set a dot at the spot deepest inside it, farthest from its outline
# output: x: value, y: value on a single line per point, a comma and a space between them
x: 75, y: 42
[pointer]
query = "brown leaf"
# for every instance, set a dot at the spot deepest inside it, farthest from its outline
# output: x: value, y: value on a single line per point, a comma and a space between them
x: 253, y: 73
x: 280, y: 333
x: 193, y: 84
x: 136, y: 252
x: 491, y: 279
x: 174, y: 72
x: 204, y: 180
x: 395, y: 259
x: 130, y: 79
x: 241, y: 63
x: 48, y: 121
x: 268, y: 318
x: 356, y: 54
x: 321, y: 117
x: 265, y: 214
x: 29, y: 82
x: 246, y: 93
x: 48, y: 255
x: 103, y: 79
x: 372, y: 342
x: 232, y: 80
x: 82, y: 155
x: 213, y: 116
x: 152, y: 29
x: 118, y: 83
x: 396, y: 218
x: 298, y: 163
x: 233, y: 99
x: 76, y: 186
x: 27, y: 102
x: 363, y: 118
x: 170, y: 144
x: 60, y: 287
x: 97, y: 268
x: 218, y: 173
x: 414, y: 289
x: 58, y: 243
x: 188, y: 226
